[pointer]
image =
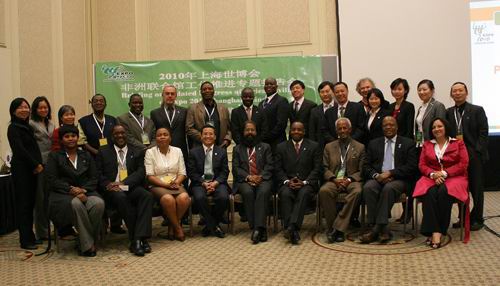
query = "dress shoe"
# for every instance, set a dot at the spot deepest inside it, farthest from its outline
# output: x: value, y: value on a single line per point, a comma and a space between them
x: 219, y: 232
x: 136, y: 248
x: 475, y: 226
x: 385, y: 237
x: 88, y: 253
x: 29, y: 246
x: 295, y: 237
x: 205, y: 232
x: 39, y: 241
x: 263, y: 235
x: 146, y: 246
x: 118, y: 230
x: 456, y: 225
x: 255, y: 236
x: 355, y: 223
x: 286, y: 234
x: 368, y: 237
x: 330, y: 236
x: 339, y: 236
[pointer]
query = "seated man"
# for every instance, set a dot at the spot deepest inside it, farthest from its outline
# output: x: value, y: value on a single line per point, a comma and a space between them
x: 298, y: 168
x: 121, y: 178
x: 208, y: 171
x: 343, y: 162
x: 390, y: 168
x: 252, y: 172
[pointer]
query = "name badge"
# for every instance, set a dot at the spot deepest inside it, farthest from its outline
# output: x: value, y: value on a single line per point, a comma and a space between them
x: 124, y: 188
x: 103, y: 142
x: 145, y: 139
x: 460, y: 136
x: 211, y: 123
x: 418, y: 137
x: 123, y: 175
x: 167, y: 179
x: 341, y: 173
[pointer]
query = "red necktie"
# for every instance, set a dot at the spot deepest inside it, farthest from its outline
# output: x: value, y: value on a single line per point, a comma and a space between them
x: 297, y: 148
x: 252, y: 162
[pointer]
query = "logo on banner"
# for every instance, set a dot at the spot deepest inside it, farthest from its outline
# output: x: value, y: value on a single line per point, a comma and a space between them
x: 481, y: 34
x: 117, y: 73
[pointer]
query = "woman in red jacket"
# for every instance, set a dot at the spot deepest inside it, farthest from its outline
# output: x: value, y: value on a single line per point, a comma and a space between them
x: 443, y: 164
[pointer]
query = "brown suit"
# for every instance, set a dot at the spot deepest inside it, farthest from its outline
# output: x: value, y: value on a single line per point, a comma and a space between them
x: 195, y: 120
x: 329, y: 192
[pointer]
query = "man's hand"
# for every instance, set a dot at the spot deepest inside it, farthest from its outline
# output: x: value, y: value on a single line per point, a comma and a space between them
x: 254, y: 180
x: 384, y: 177
x: 113, y: 187
x: 82, y: 197
x: 226, y: 143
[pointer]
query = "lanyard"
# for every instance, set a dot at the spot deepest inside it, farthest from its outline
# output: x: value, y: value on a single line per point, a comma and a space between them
x: 459, y: 122
x: 251, y: 153
x: 343, y: 158
x: 99, y: 126
x: 170, y: 120
x: 141, y: 124
x: 440, y: 152
x: 209, y: 114
x: 73, y: 163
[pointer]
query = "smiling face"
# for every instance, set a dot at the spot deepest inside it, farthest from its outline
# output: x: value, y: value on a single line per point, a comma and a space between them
x: 398, y: 92
x: 207, y: 91
x: 22, y: 111
x: 425, y: 92
x: 270, y: 86
x: 297, y: 91
x: 389, y: 126
x: 438, y: 129
x: 340, y: 92
x: 208, y: 136
x: 343, y: 129
x: 247, y: 97
x: 374, y: 101
x: 43, y: 109
x: 98, y: 103
x: 68, y: 118
x: 119, y: 136
x: 136, y: 105
x: 297, y: 131
x: 364, y: 87
x: 70, y: 140
x: 459, y: 93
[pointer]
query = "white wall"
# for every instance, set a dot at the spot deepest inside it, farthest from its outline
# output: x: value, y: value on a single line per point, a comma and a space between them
x: 412, y: 39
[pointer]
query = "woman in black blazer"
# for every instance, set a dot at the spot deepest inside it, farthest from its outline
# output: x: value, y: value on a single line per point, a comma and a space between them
x: 378, y: 110
x: 402, y: 110
x: 26, y: 164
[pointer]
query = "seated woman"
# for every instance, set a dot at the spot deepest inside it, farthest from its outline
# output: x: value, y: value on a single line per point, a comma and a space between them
x: 165, y: 171
x: 443, y: 164
x: 378, y: 110
x: 72, y: 178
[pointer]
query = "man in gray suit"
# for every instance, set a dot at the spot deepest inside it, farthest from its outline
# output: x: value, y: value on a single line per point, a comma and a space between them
x: 343, y: 162
x: 139, y: 128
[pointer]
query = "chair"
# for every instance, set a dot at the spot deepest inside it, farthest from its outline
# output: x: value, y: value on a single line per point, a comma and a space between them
x: 237, y: 198
x: 459, y: 203
x: 403, y: 198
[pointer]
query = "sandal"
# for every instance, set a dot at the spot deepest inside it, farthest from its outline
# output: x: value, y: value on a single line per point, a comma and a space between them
x: 434, y: 245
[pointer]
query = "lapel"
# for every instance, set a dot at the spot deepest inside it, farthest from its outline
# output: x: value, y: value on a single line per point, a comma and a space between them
x: 336, y: 151
x: 133, y: 123
x: 199, y: 114
x: 255, y: 111
x: 81, y: 166
x: 466, y: 116
x: 397, y: 151
x: 177, y: 115
x: 130, y: 159
x: 429, y: 108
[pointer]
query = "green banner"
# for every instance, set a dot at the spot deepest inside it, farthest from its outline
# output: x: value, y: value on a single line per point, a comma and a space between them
x: 118, y: 80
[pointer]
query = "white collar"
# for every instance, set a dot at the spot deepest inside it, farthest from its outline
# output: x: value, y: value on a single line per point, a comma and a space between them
x: 344, y: 105
x: 300, y: 142
x: 299, y: 101
x: 124, y: 149
x: 393, y: 139
x: 269, y: 98
x: 205, y: 148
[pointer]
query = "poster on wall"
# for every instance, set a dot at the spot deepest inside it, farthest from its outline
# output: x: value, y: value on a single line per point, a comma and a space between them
x: 118, y: 80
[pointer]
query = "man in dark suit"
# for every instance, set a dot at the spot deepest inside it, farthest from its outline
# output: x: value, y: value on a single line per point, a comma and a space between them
x: 300, y: 108
x: 344, y: 108
x: 389, y: 169
x: 252, y: 172
x: 316, y: 120
x: 208, y: 171
x: 140, y: 129
x: 469, y: 123
x: 173, y: 117
x: 247, y: 111
x: 298, y: 170
x: 275, y: 109
x: 121, y: 179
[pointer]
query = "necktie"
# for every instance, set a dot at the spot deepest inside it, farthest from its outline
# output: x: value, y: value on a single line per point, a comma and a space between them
x: 297, y: 148
x: 342, y: 111
x: 249, y: 113
x: 266, y: 102
x: 208, y: 172
x: 122, y: 158
x: 252, y: 162
x: 296, y: 106
x: 170, y: 111
x: 388, y: 157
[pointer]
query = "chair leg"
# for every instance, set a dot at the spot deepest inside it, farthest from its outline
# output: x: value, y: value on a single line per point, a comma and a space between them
x: 56, y: 240
x: 406, y: 216
x: 462, y: 220
x: 363, y: 210
x: 190, y: 210
x: 415, y: 216
x: 318, y: 215
x: 231, y: 213
x: 275, y: 217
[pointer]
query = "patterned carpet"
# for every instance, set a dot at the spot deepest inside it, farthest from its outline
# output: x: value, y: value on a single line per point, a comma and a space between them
x: 235, y: 261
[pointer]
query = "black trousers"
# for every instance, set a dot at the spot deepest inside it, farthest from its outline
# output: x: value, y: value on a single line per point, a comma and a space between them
x: 379, y: 199
x: 293, y: 204
x: 436, y: 208
x: 25, y: 184
x: 136, y: 207
x: 476, y: 185
x: 220, y: 197
x: 256, y: 202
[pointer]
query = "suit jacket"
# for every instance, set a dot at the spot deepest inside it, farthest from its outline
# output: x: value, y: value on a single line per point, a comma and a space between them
x: 134, y: 131
x: 316, y: 120
x: 475, y: 129
x: 239, y: 117
x: 196, y: 164
x: 354, y: 161
x: 264, y: 162
x: 26, y: 155
x: 92, y: 132
x: 405, y: 159
x: 276, y: 113
x: 306, y: 165
x: 375, y: 129
x: 178, y: 126
x: 107, y: 167
x: 195, y: 120
x: 356, y: 114
x: 43, y: 136
x: 405, y: 119
x: 433, y: 110
x: 303, y: 115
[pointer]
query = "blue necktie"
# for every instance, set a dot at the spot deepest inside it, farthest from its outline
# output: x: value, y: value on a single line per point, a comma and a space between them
x: 388, y: 158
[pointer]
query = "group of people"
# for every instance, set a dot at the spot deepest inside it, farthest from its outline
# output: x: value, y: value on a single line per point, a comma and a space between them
x: 369, y: 150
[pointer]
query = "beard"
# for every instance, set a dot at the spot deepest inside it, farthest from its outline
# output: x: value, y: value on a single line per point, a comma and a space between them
x: 250, y: 141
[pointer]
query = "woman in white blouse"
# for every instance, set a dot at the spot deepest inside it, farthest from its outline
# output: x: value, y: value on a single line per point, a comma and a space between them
x: 165, y: 171
x: 427, y: 112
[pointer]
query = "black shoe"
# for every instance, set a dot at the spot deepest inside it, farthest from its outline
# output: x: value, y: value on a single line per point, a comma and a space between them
x: 295, y: 238
x: 385, y: 237
x: 205, y: 232
x: 255, y: 236
x: 355, y: 223
x: 39, y: 241
x: 136, y: 248
x: 330, y: 236
x: 458, y: 224
x: 88, y: 253
x: 475, y: 226
x: 146, y: 246
x: 118, y: 230
x: 29, y: 246
x: 263, y: 235
x: 339, y: 236
x: 218, y: 232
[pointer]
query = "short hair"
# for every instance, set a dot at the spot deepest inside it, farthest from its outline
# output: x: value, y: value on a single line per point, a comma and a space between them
x: 325, y: 83
x: 14, y: 105
x: 166, y: 128
x: 249, y: 122
x: 378, y: 93
x: 65, y: 129
x: 340, y: 83
x: 35, y: 104
x: 63, y: 109
x: 447, y: 128
x: 343, y: 119
x: 118, y: 125
x: 459, y: 82
x: 429, y: 83
x: 208, y: 126
x: 247, y: 88
x: 169, y: 85
x: 134, y: 95
x: 96, y: 95
x: 299, y: 82
x: 206, y: 82
x: 358, y: 85
x: 405, y: 84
